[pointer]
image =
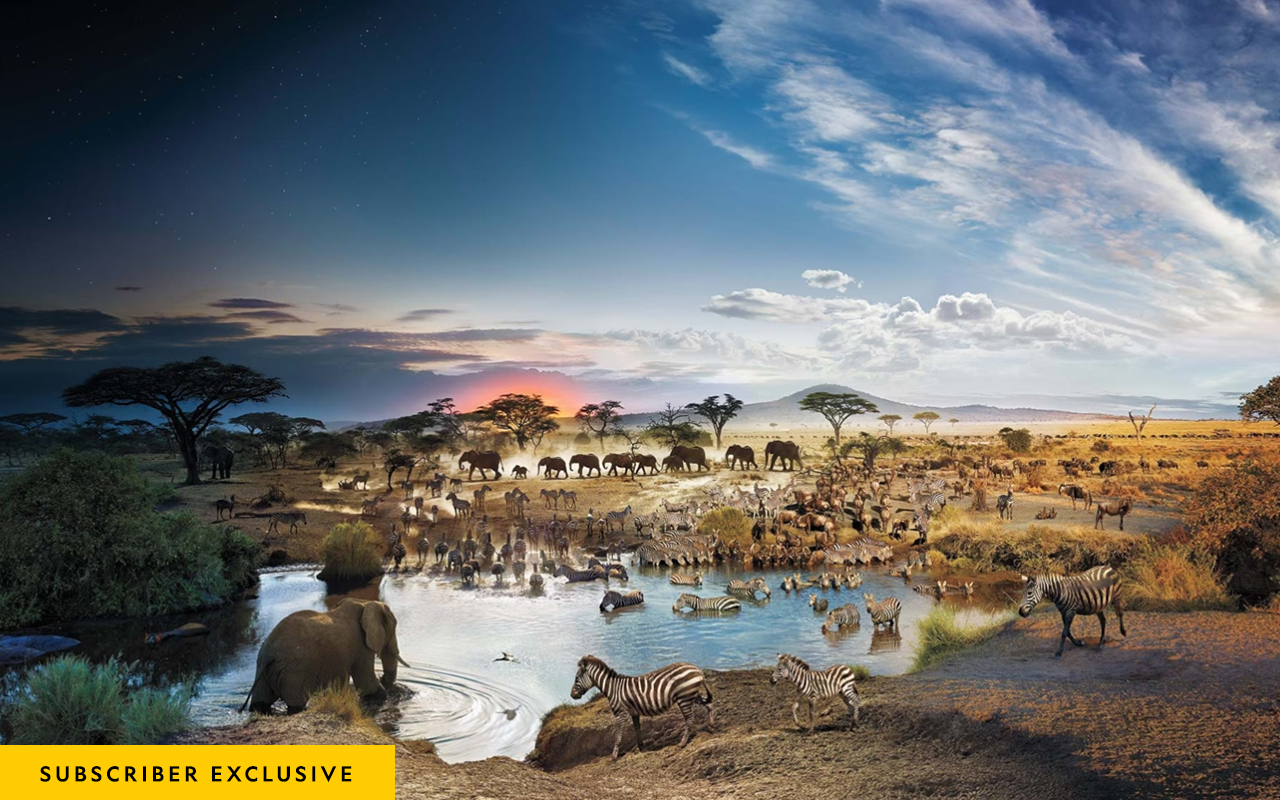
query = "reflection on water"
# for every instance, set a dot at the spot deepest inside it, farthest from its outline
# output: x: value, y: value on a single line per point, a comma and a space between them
x: 473, y: 706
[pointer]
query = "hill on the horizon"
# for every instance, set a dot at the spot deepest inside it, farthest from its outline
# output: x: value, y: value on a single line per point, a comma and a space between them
x: 785, y: 412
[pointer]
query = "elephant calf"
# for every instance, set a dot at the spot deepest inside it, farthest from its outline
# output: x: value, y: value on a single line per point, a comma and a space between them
x: 310, y: 650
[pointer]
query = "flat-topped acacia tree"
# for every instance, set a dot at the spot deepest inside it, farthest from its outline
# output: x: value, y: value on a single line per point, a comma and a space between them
x: 837, y: 408
x: 189, y: 394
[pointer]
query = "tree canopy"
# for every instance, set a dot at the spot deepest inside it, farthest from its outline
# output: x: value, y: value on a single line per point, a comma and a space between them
x: 32, y: 421
x: 671, y: 427
x: 890, y: 420
x: 1262, y: 403
x: 716, y: 413
x: 1019, y: 441
x: 598, y: 419
x: 837, y: 408
x: 189, y: 394
x: 524, y: 416
x: 927, y: 418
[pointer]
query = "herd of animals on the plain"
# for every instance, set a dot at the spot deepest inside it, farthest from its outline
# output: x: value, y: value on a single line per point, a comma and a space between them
x: 463, y: 543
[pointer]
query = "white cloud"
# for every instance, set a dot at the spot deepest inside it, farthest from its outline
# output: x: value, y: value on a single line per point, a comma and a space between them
x: 756, y: 158
x: 829, y: 279
x: 689, y: 72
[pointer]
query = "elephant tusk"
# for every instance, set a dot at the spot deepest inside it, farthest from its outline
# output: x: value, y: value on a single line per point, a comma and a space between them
x: 404, y: 663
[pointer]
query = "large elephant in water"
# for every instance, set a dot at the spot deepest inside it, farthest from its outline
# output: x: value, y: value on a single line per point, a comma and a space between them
x: 310, y: 650
x: 481, y: 460
x: 691, y: 456
x: 585, y: 461
x: 619, y: 461
x: 550, y: 467
x: 219, y: 460
x: 741, y: 455
x: 786, y: 452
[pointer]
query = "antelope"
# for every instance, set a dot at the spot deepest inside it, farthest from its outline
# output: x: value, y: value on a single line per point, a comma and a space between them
x: 228, y: 506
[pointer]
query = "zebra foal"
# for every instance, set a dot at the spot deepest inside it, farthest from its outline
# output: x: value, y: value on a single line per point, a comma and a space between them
x: 816, y: 685
x: 650, y: 694
x: 1090, y: 592
x: 695, y: 603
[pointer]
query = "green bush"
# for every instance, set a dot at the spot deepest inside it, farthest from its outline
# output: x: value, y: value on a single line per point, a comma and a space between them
x: 729, y: 524
x: 79, y: 537
x: 351, y: 552
x: 70, y: 701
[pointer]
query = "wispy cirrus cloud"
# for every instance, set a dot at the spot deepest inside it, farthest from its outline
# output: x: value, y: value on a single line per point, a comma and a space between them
x: 689, y: 72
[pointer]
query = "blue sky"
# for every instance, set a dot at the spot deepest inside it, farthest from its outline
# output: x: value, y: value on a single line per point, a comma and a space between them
x: 1064, y: 204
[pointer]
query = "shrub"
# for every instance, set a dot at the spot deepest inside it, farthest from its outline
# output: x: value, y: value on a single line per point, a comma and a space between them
x: 1100, y: 446
x: 940, y: 635
x: 79, y: 537
x: 582, y: 439
x: 730, y: 524
x: 988, y: 546
x: 340, y: 700
x: 351, y: 552
x: 1173, y: 577
x: 861, y: 673
x: 70, y: 701
x: 1235, y: 515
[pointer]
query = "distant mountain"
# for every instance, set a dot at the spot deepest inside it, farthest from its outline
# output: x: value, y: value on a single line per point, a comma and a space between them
x: 786, y: 413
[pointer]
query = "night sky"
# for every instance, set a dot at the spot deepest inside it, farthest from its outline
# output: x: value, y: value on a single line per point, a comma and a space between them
x: 1070, y: 205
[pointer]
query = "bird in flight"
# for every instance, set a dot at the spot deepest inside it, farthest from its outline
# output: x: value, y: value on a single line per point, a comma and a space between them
x: 506, y: 657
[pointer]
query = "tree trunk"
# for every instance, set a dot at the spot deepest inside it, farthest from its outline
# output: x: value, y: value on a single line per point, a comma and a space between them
x: 191, y: 459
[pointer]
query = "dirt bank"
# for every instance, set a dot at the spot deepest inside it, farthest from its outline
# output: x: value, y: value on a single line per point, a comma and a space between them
x: 1185, y: 706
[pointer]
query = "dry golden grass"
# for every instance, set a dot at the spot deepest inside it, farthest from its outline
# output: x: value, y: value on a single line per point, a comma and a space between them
x: 1173, y: 577
x: 340, y: 700
x: 987, y: 545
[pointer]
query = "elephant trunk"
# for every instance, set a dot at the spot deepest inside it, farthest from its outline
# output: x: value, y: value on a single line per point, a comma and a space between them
x: 391, y: 662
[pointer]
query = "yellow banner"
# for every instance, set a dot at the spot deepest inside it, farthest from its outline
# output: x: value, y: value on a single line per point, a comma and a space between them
x: 200, y: 772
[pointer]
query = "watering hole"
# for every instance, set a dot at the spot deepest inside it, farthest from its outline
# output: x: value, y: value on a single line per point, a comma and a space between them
x: 472, y: 706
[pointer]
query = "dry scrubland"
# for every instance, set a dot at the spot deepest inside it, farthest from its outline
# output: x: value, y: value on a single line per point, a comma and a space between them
x: 1183, y: 707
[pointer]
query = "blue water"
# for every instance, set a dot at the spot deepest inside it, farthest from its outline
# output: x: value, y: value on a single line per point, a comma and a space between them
x: 461, y: 698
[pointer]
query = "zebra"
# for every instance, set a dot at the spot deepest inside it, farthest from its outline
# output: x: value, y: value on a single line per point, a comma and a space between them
x: 818, y: 605
x: 1090, y: 592
x: 652, y: 693
x: 615, y: 600
x: 517, y: 569
x: 360, y: 479
x: 841, y: 616
x: 535, y: 582
x: 570, y: 499
x: 678, y: 579
x: 290, y: 517
x: 620, y: 517
x: 754, y: 585
x: 1004, y: 505
x: 884, y: 612
x: 836, y: 681
x: 579, y: 575
x: 395, y: 547
x: 695, y: 603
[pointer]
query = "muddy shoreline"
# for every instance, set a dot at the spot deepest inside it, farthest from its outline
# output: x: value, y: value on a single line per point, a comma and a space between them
x: 1183, y: 707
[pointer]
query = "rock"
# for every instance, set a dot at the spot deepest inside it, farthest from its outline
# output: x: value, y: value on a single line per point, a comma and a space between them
x: 190, y: 629
x: 17, y: 649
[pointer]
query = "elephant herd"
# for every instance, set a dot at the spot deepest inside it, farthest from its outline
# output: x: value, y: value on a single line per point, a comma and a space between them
x: 682, y: 458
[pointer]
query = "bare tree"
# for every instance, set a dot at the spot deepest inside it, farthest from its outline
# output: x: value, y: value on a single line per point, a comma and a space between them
x: 1139, y: 423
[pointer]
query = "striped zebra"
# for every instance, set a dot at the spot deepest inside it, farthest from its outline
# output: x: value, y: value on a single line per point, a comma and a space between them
x: 292, y: 518
x: 617, y: 517
x: 695, y: 603
x: 678, y: 579
x: 1090, y: 592
x: 650, y: 694
x: 841, y: 616
x: 813, y: 685
x: 579, y: 575
x: 884, y: 612
x: 615, y: 600
x: 754, y: 585
x: 818, y: 605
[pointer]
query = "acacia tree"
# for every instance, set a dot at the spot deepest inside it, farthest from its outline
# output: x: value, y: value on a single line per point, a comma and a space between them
x: 837, y: 408
x: 1262, y: 403
x: 395, y: 460
x: 522, y: 415
x: 889, y: 421
x: 953, y: 422
x: 598, y: 418
x: 190, y: 395
x: 717, y: 414
x: 671, y: 427
x: 32, y: 421
x: 872, y: 447
x: 927, y: 418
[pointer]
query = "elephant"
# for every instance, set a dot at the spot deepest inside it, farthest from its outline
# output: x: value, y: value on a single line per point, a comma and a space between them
x: 550, y: 466
x: 310, y: 650
x: 481, y: 460
x: 742, y: 455
x: 585, y: 462
x: 645, y: 461
x: 673, y: 463
x: 691, y: 456
x: 786, y: 452
x: 219, y: 460
x: 616, y: 461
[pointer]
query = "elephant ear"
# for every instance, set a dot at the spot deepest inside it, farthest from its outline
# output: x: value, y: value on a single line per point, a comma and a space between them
x: 374, y: 622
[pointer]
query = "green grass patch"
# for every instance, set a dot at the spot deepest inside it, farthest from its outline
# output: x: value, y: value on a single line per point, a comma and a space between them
x: 351, y: 552
x: 942, y: 634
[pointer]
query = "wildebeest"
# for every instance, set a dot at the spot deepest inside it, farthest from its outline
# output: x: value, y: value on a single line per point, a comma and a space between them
x: 1076, y: 492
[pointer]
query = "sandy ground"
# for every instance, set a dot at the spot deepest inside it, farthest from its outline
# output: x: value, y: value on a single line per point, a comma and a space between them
x: 1184, y: 707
